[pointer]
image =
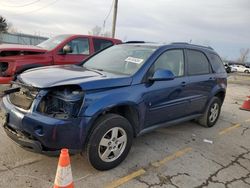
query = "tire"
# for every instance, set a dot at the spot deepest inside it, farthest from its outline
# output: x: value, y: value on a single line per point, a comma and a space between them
x: 208, y: 119
x: 113, y: 149
x: 247, y: 71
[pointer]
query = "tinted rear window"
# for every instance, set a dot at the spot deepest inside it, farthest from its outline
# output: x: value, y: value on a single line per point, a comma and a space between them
x: 100, y: 44
x: 197, y: 63
x: 217, y: 64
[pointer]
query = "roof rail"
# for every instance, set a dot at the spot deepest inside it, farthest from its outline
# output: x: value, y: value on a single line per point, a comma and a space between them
x: 134, y: 41
x: 208, y: 47
x: 179, y: 43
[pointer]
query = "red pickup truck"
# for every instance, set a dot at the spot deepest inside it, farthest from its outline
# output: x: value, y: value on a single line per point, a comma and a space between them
x: 62, y: 49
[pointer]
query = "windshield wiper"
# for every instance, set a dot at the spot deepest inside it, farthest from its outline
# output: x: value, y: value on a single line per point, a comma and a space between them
x: 97, y: 70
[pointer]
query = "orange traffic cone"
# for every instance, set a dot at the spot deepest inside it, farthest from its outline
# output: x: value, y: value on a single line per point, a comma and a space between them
x: 246, y: 104
x: 64, y: 177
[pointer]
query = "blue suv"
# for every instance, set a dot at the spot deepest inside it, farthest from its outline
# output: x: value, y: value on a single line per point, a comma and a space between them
x: 117, y: 94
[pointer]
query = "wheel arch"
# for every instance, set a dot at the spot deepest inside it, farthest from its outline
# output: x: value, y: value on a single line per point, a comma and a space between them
x: 128, y: 111
x: 221, y: 95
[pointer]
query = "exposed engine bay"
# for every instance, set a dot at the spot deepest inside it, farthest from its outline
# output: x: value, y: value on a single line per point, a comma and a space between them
x: 62, y: 103
x: 59, y: 102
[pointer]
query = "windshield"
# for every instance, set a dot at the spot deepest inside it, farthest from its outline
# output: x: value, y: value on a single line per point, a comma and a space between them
x: 52, y: 42
x: 120, y: 59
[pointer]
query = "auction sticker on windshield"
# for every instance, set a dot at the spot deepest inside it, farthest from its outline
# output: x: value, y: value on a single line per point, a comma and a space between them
x: 134, y: 60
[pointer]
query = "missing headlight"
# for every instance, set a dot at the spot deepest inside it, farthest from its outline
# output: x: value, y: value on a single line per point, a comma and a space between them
x: 21, y: 95
x: 63, y: 103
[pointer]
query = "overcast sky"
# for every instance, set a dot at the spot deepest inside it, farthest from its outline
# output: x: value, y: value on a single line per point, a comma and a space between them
x: 222, y: 24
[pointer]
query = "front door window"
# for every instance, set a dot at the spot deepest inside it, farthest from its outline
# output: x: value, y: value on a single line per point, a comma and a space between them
x: 79, y: 46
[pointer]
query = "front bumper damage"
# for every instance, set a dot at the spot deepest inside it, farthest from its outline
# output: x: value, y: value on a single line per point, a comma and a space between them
x: 41, y: 134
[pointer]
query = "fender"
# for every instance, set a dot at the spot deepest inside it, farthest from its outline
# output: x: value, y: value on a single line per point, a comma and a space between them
x: 107, y: 102
x: 92, y: 110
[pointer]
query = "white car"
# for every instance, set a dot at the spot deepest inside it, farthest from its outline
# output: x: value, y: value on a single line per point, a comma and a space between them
x: 233, y: 69
x: 241, y: 68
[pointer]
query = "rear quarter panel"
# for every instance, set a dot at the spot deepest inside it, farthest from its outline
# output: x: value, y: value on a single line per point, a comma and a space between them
x: 221, y: 84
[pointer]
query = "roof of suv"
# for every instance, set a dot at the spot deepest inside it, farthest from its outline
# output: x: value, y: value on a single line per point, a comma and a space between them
x: 176, y: 44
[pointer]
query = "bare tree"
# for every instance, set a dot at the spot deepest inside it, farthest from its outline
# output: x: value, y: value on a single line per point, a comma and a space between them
x: 97, y: 31
x: 3, y: 25
x: 11, y: 29
x: 243, y: 55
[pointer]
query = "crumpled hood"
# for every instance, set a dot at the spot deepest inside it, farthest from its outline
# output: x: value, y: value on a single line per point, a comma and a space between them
x: 51, y: 76
x: 19, y: 47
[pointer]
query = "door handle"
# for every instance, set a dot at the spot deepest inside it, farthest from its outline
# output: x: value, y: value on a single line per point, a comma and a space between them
x: 183, y: 84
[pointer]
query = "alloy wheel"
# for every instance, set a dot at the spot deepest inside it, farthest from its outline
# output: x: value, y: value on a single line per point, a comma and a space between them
x: 112, y: 144
x: 214, y: 112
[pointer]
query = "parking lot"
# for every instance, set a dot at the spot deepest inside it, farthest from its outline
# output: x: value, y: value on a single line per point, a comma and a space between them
x: 184, y: 155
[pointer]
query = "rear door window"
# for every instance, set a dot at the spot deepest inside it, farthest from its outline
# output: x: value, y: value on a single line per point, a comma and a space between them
x: 197, y: 63
x: 100, y: 44
x: 217, y: 64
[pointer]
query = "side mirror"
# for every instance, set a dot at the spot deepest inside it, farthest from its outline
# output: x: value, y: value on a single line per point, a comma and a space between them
x: 66, y: 49
x: 161, y: 75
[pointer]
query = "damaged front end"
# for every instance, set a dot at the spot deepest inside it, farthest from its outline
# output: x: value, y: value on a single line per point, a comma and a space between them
x: 3, y: 68
x: 11, y: 59
x: 44, y: 120
x: 59, y: 102
x: 4, y: 63
x: 6, y: 53
x: 62, y: 102
x: 22, y: 96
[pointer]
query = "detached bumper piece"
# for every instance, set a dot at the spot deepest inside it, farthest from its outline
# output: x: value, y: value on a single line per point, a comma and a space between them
x: 27, y: 143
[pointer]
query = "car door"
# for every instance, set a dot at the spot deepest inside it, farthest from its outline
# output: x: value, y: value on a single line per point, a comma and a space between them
x: 166, y: 100
x: 80, y: 50
x: 201, y: 80
x: 241, y: 68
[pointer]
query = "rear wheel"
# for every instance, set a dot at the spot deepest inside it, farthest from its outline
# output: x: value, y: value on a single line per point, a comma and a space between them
x: 247, y: 71
x: 109, y: 142
x: 212, y: 113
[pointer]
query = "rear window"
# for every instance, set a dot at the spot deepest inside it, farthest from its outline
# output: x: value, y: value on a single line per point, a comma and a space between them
x: 197, y: 63
x: 100, y: 44
x: 217, y: 64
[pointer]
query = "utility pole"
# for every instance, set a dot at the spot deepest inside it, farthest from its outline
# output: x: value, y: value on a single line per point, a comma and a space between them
x: 114, y: 18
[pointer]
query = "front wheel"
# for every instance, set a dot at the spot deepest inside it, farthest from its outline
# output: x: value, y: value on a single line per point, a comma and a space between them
x: 212, y: 113
x: 109, y: 142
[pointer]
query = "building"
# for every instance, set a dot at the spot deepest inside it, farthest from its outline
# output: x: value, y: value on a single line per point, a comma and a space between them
x: 19, y: 38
